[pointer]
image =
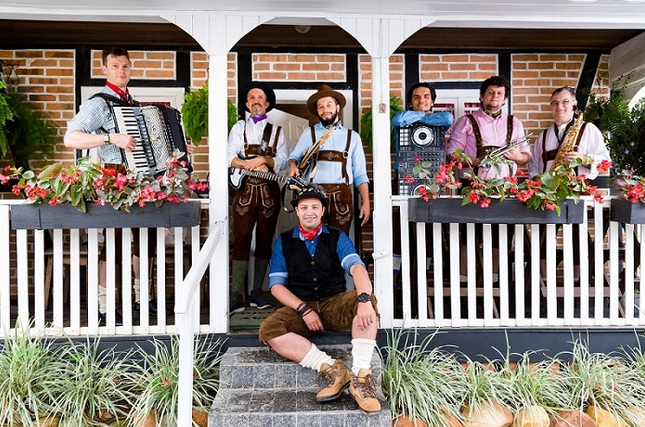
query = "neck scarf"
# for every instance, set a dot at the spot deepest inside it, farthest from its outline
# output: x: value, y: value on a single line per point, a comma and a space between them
x: 123, y: 94
x: 493, y: 115
x: 309, y: 235
x: 260, y: 118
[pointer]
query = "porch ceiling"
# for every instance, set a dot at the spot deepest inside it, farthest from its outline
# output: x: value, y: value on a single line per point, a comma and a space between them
x: 470, y: 24
x: 62, y: 34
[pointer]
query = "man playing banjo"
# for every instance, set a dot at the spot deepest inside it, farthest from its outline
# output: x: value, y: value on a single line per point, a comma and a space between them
x: 255, y: 145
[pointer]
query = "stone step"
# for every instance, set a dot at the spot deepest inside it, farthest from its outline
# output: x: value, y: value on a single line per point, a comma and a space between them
x: 258, y: 389
x: 255, y: 367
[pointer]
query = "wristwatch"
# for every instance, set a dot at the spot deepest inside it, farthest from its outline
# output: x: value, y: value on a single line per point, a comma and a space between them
x: 106, y: 139
x: 364, y: 297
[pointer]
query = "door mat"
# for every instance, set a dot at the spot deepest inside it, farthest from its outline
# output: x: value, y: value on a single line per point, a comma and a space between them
x: 250, y: 318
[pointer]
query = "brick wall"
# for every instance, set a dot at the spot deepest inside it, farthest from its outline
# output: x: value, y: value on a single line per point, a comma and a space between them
x: 461, y: 67
x: 299, y: 67
x: 146, y: 65
x: 47, y: 79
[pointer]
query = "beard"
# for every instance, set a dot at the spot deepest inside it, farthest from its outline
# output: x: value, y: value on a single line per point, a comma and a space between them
x: 329, y: 121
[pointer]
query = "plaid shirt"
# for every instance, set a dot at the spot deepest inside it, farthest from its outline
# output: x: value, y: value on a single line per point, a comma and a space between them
x: 94, y: 116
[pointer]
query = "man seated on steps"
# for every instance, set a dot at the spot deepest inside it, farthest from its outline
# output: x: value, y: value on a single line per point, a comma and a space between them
x: 307, y: 275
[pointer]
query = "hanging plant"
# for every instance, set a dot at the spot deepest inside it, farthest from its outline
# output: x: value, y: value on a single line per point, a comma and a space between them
x: 24, y: 132
x: 366, y: 122
x: 194, y: 113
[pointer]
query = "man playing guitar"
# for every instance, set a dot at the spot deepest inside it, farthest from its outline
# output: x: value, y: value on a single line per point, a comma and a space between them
x: 255, y: 145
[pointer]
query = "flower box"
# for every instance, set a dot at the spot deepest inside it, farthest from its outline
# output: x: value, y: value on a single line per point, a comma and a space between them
x: 508, y: 211
x: 627, y: 212
x: 43, y: 216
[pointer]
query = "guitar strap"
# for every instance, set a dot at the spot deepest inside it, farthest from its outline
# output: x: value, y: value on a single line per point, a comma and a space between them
x: 334, y: 155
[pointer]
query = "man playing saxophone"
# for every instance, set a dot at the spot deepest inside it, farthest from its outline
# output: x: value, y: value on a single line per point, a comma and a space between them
x: 588, y: 144
x: 569, y: 138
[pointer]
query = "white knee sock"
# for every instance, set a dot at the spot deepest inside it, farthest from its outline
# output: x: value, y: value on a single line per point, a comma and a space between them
x: 102, y: 299
x: 362, y: 349
x: 315, y: 358
x: 137, y: 290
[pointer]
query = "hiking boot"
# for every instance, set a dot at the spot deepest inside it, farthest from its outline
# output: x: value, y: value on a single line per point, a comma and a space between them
x: 235, y: 304
x: 333, y: 380
x: 257, y: 300
x: 362, y: 387
x: 152, y: 306
x: 118, y: 319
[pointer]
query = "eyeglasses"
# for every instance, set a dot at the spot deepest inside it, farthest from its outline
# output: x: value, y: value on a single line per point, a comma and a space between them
x: 564, y: 102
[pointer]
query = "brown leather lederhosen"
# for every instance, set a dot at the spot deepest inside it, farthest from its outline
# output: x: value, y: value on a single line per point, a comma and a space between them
x: 256, y: 204
x: 548, y: 156
x: 340, y: 210
x: 118, y: 232
x: 482, y: 151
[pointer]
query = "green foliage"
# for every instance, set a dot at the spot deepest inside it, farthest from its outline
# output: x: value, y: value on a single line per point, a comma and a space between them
x: 421, y: 381
x: 83, y: 386
x: 602, y: 380
x: 23, y: 130
x: 6, y: 114
x: 86, y: 181
x: 90, y: 387
x: 626, y: 141
x: 156, y: 380
x: 194, y: 113
x: 28, y: 366
x: 623, y: 128
x: 366, y: 122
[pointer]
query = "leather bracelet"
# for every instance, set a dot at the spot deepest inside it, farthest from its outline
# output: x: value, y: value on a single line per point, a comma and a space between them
x: 309, y: 310
x: 302, y: 308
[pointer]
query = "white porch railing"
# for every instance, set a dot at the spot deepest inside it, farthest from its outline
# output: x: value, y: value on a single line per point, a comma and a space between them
x: 522, y: 297
x: 70, y: 269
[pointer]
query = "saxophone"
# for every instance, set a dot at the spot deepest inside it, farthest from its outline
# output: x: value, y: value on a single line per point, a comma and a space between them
x: 568, y: 143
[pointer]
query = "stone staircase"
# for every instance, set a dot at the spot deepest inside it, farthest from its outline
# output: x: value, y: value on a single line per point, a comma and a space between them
x: 258, y: 389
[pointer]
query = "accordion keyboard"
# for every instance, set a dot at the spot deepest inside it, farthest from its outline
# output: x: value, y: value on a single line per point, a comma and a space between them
x: 146, y: 125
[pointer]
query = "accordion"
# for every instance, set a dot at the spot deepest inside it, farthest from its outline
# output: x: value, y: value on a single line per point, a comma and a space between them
x: 158, y: 131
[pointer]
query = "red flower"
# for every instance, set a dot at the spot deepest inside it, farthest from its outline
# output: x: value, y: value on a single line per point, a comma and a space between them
x: 549, y: 205
x: 485, y: 203
x: 604, y: 166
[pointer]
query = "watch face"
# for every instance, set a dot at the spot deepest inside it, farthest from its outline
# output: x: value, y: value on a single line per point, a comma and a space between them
x: 364, y: 297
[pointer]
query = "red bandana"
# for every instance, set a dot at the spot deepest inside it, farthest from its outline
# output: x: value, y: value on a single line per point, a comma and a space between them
x: 123, y: 94
x: 309, y: 235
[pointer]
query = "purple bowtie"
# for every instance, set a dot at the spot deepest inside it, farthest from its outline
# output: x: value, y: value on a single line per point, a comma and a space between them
x: 257, y: 119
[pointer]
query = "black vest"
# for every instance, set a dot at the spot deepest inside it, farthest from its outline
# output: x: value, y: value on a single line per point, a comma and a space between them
x: 311, y: 279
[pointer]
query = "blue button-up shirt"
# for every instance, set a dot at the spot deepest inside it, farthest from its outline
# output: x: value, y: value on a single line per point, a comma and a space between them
x: 95, y: 116
x: 345, y: 250
x: 331, y: 172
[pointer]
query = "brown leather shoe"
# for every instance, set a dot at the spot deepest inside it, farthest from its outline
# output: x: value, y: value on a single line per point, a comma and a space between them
x: 362, y: 387
x: 333, y: 380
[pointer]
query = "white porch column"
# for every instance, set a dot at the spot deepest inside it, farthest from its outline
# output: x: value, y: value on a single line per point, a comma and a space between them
x: 382, y: 220
x: 381, y: 37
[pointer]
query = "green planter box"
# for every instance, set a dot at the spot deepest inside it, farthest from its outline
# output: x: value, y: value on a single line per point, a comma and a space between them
x: 627, y: 212
x: 65, y: 216
x: 508, y: 211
